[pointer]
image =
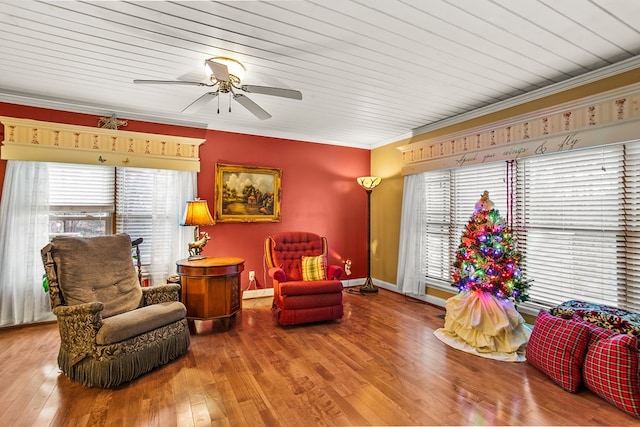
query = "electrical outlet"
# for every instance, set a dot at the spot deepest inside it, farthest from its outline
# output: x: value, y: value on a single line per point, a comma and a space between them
x: 252, y: 275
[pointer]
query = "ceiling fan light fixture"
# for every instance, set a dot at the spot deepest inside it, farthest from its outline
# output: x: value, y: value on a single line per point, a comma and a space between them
x: 235, y: 67
x: 224, y: 76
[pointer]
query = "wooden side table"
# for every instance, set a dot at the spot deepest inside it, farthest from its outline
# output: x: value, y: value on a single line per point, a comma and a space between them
x: 211, y: 287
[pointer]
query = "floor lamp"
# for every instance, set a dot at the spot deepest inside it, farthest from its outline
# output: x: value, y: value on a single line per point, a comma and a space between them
x: 368, y: 183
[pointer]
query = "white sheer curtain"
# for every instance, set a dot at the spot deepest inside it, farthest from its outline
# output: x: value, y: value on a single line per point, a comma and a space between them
x: 411, y: 268
x: 24, y: 219
x: 171, y: 191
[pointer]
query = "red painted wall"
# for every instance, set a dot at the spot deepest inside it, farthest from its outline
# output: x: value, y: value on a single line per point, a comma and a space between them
x: 319, y: 190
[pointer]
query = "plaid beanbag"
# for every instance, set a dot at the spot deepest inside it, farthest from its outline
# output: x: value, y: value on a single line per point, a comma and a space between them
x: 611, y: 370
x: 557, y: 347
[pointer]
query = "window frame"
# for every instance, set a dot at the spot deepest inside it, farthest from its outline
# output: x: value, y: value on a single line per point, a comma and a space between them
x: 624, y: 289
x: 165, y: 193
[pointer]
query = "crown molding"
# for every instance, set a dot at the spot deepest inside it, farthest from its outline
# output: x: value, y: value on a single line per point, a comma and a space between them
x: 556, y: 88
x: 605, y: 118
x: 32, y: 100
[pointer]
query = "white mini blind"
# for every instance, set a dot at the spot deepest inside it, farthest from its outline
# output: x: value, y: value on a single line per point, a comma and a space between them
x: 451, y: 196
x: 81, y: 185
x: 577, y: 221
x: 145, y: 202
x: 468, y: 186
x: 149, y: 204
x: 134, y: 210
x: 436, y: 238
x: 630, y: 292
x: 573, y: 204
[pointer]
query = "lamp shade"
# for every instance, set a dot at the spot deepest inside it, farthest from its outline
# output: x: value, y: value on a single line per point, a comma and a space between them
x: 369, y: 182
x: 197, y: 213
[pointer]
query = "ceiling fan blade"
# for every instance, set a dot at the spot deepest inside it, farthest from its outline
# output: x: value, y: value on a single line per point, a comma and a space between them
x: 169, y: 82
x: 274, y: 91
x: 253, y: 108
x: 200, y: 102
x: 220, y: 71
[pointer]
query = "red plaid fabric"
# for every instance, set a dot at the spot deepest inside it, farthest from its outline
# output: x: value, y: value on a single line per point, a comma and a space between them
x: 611, y: 370
x: 557, y: 347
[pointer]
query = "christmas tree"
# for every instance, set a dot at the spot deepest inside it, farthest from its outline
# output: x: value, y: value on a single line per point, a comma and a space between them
x: 486, y: 259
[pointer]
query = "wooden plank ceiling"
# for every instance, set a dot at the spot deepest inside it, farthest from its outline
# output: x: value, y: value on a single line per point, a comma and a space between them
x: 370, y: 71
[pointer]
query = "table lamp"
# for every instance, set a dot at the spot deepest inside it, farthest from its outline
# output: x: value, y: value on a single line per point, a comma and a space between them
x: 197, y: 214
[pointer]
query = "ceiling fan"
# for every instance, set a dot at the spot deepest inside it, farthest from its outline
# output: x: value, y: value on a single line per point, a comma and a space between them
x: 226, y: 76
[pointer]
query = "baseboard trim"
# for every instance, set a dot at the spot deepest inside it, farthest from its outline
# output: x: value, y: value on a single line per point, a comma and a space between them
x: 268, y: 292
x: 257, y: 293
x: 426, y: 298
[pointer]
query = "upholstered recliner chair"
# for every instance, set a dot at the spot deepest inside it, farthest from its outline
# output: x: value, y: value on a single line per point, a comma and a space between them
x: 112, y: 330
x: 305, y: 289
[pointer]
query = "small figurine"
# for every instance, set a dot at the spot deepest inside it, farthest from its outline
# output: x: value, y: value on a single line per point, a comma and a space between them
x: 196, y: 247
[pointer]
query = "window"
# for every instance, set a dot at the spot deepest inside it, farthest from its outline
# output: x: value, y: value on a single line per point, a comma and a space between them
x: 630, y: 274
x: 86, y: 200
x: 572, y: 211
x: 450, y: 198
x: 134, y: 211
x: 81, y: 199
x: 577, y: 222
x: 438, y: 226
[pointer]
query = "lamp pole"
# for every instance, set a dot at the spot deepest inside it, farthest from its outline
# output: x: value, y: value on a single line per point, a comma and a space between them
x: 369, y: 183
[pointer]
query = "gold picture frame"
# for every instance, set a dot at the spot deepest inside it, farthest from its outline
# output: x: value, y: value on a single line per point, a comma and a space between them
x: 247, y: 193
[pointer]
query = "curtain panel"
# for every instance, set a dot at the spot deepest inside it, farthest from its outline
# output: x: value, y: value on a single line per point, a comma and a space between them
x: 24, y: 219
x: 411, y: 271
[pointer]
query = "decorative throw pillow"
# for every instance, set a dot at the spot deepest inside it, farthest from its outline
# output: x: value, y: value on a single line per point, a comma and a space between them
x: 557, y: 347
x: 314, y: 268
x: 614, y: 318
x: 611, y: 370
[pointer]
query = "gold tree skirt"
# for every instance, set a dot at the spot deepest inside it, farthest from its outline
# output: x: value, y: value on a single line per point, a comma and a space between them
x: 479, y: 323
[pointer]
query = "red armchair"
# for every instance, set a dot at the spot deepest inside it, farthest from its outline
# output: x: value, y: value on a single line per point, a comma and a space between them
x: 305, y: 289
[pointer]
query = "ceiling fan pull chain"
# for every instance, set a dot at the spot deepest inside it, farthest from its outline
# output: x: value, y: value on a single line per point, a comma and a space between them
x: 218, y: 105
x: 229, y: 101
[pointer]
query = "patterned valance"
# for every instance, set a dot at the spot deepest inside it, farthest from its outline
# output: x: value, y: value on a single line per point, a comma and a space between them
x: 26, y: 139
x: 610, y: 117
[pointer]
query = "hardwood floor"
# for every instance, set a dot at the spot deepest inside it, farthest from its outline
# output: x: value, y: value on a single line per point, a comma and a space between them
x: 379, y: 365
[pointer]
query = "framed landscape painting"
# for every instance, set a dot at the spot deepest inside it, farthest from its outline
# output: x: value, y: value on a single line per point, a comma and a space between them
x: 247, y: 193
